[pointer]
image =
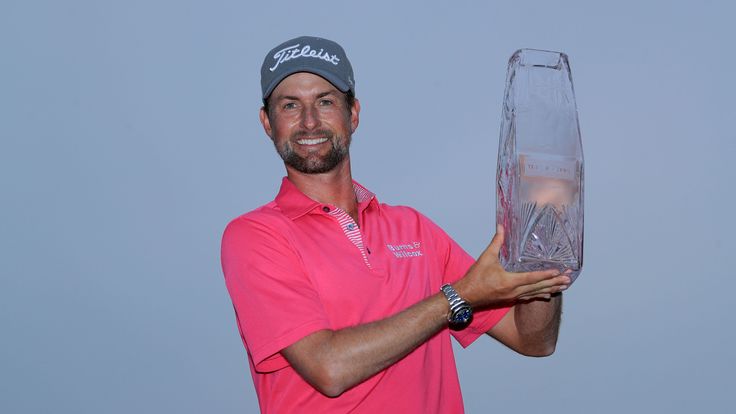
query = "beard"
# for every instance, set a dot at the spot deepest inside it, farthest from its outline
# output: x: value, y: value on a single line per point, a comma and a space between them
x: 314, y: 163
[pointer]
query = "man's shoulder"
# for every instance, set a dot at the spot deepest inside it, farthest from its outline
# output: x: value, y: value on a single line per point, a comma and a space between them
x: 408, y: 215
x: 268, y: 211
x: 401, y: 211
x: 267, y: 217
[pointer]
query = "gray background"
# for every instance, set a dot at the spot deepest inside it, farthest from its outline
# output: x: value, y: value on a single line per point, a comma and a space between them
x: 130, y: 137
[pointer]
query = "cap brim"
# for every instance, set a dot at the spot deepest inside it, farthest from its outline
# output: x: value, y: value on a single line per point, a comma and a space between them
x: 328, y: 76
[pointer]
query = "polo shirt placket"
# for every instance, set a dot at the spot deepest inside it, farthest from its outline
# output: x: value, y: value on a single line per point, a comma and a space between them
x: 349, y: 227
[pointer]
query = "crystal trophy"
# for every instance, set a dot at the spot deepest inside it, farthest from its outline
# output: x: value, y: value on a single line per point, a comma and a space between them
x: 540, y: 166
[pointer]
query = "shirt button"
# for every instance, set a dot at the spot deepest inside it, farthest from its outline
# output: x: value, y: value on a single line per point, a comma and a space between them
x: 351, y: 226
x: 326, y: 209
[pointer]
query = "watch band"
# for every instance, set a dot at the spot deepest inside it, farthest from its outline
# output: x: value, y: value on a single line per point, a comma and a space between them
x: 460, y: 311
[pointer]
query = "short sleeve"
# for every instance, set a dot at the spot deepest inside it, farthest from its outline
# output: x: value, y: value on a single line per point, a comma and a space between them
x: 456, y: 263
x: 274, y: 300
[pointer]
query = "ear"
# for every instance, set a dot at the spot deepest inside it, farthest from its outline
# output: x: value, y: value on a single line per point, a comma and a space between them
x: 355, y: 115
x: 265, y: 122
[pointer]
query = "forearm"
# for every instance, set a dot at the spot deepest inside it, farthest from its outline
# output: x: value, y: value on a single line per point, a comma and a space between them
x: 334, y: 361
x: 538, y: 325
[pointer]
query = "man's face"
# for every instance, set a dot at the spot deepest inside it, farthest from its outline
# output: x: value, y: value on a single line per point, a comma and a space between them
x: 309, y: 123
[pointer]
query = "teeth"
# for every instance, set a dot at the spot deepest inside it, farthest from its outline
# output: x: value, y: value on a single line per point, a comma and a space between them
x: 313, y: 141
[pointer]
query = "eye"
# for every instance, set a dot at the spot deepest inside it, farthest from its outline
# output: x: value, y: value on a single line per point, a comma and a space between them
x: 289, y: 105
x: 325, y: 102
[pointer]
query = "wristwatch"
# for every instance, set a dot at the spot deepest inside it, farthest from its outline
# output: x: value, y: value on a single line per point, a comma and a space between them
x: 460, y: 313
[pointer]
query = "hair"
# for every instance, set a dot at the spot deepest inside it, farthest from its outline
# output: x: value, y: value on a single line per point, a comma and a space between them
x: 349, y: 97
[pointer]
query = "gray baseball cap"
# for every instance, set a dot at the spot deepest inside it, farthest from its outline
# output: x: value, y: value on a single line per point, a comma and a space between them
x: 307, y: 54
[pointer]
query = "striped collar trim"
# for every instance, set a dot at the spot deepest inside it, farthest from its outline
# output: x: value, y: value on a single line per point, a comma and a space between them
x: 294, y: 204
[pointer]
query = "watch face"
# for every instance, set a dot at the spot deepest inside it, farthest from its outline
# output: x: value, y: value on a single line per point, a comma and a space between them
x: 462, y: 316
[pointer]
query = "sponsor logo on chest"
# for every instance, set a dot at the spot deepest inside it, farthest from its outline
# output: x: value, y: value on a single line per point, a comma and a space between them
x: 406, y: 250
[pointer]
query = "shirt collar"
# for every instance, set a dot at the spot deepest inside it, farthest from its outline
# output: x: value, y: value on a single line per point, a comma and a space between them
x: 294, y: 204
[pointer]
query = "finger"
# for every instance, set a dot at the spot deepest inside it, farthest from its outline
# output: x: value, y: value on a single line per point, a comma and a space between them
x: 497, y: 241
x: 490, y: 254
x: 541, y: 296
x: 555, y: 284
x: 546, y: 289
x: 542, y: 293
x: 530, y: 278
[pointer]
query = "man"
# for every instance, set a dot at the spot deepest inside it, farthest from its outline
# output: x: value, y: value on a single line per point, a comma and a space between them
x: 346, y: 304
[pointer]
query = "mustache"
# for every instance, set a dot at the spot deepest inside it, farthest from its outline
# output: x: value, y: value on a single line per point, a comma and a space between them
x: 320, y: 133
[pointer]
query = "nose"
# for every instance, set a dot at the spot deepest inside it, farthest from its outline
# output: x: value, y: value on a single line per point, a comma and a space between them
x: 310, y: 118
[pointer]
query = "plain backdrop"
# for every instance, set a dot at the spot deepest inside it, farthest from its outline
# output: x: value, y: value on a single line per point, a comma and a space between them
x: 129, y: 137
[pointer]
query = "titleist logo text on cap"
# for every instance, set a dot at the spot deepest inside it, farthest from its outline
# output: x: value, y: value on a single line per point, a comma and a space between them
x: 293, y: 52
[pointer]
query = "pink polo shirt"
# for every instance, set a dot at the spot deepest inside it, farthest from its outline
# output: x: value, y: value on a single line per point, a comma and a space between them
x: 295, y: 266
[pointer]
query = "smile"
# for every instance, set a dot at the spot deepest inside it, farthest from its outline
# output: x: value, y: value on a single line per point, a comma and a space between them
x: 311, y: 141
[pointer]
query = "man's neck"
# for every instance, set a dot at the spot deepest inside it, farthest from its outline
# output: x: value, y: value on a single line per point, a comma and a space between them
x: 334, y: 187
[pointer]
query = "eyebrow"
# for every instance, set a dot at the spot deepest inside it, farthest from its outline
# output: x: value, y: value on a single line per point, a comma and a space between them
x: 296, y: 98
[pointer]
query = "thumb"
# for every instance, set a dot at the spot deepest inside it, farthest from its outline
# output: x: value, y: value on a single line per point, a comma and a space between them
x: 497, y: 242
